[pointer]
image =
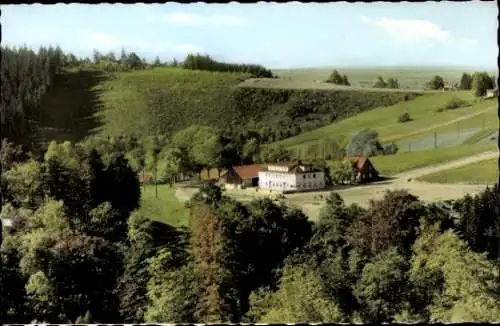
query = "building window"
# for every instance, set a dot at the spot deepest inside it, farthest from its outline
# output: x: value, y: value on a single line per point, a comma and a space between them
x: 303, y: 176
x: 314, y: 176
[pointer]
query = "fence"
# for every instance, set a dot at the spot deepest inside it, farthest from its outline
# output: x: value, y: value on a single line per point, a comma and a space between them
x: 472, y: 131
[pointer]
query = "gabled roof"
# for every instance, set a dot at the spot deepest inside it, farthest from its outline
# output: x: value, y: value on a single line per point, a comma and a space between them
x: 248, y: 171
x: 146, y: 177
x: 358, y: 160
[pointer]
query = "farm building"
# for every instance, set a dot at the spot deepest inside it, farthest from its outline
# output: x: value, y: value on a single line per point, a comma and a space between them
x: 291, y: 177
x: 145, y: 177
x: 242, y: 176
x: 366, y: 172
x: 491, y: 93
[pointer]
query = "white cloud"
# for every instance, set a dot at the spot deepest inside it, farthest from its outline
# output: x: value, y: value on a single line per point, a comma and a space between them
x: 100, y: 40
x: 195, y: 20
x: 417, y: 31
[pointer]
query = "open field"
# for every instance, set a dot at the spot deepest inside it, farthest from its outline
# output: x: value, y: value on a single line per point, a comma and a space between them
x: 422, y: 110
x: 485, y: 172
x: 163, y: 100
x: 391, y: 164
x: 483, y: 135
x: 408, y: 77
x: 310, y: 85
x: 166, y: 208
x: 459, y: 130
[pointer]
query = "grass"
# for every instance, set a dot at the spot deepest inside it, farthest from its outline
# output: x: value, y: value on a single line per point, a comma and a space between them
x: 479, y: 115
x: 484, y: 172
x: 480, y: 135
x: 422, y: 111
x: 164, y: 100
x: 305, y: 84
x: 408, y: 77
x: 67, y: 110
x: 392, y: 164
x: 166, y: 208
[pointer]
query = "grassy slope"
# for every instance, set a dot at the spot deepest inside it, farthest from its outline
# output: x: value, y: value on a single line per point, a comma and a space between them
x: 391, y: 164
x: 384, y: 120
x: 168, y: 99
x: 166, y: 208
x: 485, y: 172
x: 411, y: 77
x: 68, y: 108
x: 165, y: 99
x: 305, y: 84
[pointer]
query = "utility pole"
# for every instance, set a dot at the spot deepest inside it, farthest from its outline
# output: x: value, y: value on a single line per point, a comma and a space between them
x: 156, y: 150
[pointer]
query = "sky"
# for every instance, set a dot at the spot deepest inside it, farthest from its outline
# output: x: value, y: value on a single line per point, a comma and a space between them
x: 291, y: 35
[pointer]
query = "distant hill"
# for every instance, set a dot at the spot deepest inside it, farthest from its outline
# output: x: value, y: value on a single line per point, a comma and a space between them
x: 165, y: 100
x: 409, y: 77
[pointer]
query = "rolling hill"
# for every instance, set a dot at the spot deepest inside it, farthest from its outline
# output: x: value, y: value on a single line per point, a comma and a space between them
x: 408, y: 77
x: 426, y: 120
x: 165, y: 100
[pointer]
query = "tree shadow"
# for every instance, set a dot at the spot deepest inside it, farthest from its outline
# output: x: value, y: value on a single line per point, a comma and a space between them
x: 68, y: 111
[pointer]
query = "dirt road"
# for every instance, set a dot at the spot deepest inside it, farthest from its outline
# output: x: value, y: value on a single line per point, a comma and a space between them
x: 424, y: 190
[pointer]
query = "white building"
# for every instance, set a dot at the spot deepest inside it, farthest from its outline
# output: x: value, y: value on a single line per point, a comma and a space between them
x: 291, y: 177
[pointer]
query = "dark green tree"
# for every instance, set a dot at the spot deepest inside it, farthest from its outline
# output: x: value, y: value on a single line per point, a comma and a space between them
x: 437, y: 82
x: 466, y: 81
x: 380, y: 83
x: 335, y: 78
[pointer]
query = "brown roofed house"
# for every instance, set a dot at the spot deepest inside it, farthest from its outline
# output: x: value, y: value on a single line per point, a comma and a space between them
x: 145, y: 177
x: 241, y: 176
x: 366, y: 172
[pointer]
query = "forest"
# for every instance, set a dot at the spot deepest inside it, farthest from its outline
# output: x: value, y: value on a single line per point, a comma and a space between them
x: 87, y: 255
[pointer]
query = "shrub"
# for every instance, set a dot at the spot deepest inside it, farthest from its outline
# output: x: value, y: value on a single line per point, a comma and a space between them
x: 405, y: 117
x: 455, y: 103
x: 390, y: 149
x: 342, y: 172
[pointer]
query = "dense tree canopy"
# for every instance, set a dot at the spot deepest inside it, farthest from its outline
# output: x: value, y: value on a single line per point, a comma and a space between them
x: 87, y: 255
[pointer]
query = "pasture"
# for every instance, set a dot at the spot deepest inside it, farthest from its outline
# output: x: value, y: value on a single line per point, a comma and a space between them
x: 392, y: 164
x: 485, y: 172
x: 423, y: 111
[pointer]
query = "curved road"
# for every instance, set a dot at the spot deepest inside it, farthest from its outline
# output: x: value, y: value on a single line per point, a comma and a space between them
x: 424, y: 190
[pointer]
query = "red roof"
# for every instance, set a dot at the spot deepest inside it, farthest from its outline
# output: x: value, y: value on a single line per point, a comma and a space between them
x: 147, y: 177
x: 248, y: 171
x: 359, y: 160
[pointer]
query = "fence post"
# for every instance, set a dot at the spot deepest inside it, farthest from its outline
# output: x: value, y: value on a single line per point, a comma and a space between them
x: 409, y: 147
x: 435, y: 140
x: 458, y: 129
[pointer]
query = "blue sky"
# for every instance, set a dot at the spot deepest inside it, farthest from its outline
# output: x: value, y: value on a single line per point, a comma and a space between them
x: 275, y: 35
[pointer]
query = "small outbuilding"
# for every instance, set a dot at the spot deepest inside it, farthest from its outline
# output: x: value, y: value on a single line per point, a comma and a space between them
x: 241, y: 176
x: 365, y: 171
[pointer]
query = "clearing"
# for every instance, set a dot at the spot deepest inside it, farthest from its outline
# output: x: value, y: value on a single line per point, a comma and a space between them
x: 167, y: 208
x: 484, y: 172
